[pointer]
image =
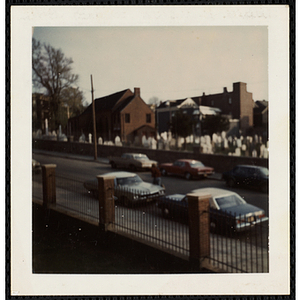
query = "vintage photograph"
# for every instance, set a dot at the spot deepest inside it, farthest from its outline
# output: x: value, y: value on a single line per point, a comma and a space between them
x: 151, y: 149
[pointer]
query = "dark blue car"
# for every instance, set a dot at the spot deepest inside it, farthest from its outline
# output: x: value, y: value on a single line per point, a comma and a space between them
x: 228, y: 210
x: 248, y: 176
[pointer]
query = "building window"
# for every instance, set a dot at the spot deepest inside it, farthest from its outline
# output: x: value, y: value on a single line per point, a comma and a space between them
x: 229, y: 100
x: 127, y: 118
x: 212, y: 102
x: 148, y: 118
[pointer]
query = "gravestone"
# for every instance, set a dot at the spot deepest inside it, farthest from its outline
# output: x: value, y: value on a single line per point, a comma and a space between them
x: 225, y: 143
x: 118, y: 141
x: 46, y: 127
x: 160, y: 144
x: 90, y: 138
x: 100, y: 141
x: 82, y: 138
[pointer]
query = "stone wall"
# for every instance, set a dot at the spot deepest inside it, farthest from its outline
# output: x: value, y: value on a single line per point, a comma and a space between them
x: 220, y: 163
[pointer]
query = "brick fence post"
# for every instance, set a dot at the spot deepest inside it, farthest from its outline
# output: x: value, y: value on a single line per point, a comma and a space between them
x: 106, y: 202
x: 49, y: 187
x: 199, y: 232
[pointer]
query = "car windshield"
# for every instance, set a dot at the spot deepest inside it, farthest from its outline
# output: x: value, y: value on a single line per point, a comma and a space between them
x: 196, y: 164
x: 265, y: 171
x: 229, y: 200
x: 141, y: 156
x: 129, y: 180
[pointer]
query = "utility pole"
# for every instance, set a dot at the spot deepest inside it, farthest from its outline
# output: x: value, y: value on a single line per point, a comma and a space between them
x: 94, y: 121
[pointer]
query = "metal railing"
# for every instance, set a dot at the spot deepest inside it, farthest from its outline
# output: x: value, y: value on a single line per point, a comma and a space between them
x: 138, y: 216
x: 239, y: 249
x: 143, y: 220
x: 71, y: 195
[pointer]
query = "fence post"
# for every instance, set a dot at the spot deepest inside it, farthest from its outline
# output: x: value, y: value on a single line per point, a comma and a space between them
x: 106, y: 202
x: 199, y: 232
x: 49, y: 187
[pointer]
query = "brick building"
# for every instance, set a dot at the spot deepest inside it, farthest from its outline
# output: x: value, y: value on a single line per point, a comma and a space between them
x: 122, y: 114
x: 237, y: 104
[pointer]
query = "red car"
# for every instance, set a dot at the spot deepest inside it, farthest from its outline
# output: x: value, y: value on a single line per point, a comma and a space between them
x: 187, y: 167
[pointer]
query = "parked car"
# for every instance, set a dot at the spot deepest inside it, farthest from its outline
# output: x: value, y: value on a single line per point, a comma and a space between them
x: 133, y: 161
x: 245, y: 175
x: 36, y: 166
x: 188, y: 168
x: 227, y: 209
x: 129, y: 188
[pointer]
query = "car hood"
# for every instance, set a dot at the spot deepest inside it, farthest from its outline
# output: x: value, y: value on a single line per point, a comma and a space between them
x: 143, y: 187
x: 205, y: 168
x: 147, y: 161
x: 243, y: 209
x: 166, y: 165
x: 175, y: 197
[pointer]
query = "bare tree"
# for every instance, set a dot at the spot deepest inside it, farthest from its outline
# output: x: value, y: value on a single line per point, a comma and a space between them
x: 52, y: 71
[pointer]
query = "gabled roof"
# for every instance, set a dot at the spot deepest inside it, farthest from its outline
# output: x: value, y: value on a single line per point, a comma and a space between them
x: 106, y: 102
x: 124, y: 103
x: 176, y: 103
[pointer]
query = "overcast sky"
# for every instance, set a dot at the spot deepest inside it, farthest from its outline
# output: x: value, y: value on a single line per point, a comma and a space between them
x: 164, y: 62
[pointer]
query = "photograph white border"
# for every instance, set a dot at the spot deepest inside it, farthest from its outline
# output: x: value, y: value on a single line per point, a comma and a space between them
x: 23, y: 281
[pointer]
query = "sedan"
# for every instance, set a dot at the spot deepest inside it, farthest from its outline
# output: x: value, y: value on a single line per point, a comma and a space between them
x: 129, y: 188
x: 227, y: 209
x: 188, y: 168
x: 250, y: 176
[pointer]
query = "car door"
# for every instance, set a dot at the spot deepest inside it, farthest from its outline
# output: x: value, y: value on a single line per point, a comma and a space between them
x: 176, y: 167
x: 240, y: 175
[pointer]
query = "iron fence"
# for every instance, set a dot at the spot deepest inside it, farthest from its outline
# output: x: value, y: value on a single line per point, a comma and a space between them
x: 140, y: 216
x: 137, y: 214
x: 71, y: 195
x: 235, y: 248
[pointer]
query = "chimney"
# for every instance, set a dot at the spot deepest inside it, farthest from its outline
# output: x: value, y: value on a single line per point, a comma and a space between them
x: 225, y: 90
x: 136, y: 92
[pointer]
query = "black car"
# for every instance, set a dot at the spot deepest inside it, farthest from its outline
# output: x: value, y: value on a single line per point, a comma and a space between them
x: 251, y: 176
x: 228, y: 210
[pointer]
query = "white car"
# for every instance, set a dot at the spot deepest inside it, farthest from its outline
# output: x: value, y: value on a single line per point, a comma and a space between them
x: 129, y: 188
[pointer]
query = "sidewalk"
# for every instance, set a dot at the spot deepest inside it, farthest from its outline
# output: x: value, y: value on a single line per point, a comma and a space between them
x: 102, y: 160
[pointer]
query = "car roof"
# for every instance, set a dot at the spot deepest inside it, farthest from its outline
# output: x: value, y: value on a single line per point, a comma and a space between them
x: 215, y: 192
x: 122, y: 174
x: 187, y: 160
x: 134, y: 153
x: 251, y: 166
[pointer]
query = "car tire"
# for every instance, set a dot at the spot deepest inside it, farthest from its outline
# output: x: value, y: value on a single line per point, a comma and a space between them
x: 231, y: 182
x: 264, y: 188
x: 213, y: 227
x: 125, y: 201
x: 188, y: 176
x: 163, y: 172
x: 95, y: 194
x: 165, y: 212
x: 132, y: 168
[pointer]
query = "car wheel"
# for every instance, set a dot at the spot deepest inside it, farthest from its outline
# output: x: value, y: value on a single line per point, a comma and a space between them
x: 213, y: 227
x: 95, y: 194
x: 113, y: 165
x: 126, y: 202
x: 165, y: 212
x: 132, y: 168
x: 187, y: 176
x: 264, y: 188
x: 163, y: 172
x: 231, y: 183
